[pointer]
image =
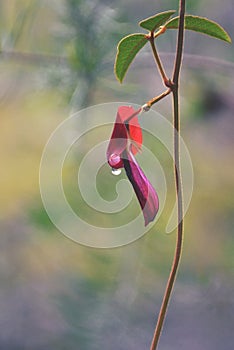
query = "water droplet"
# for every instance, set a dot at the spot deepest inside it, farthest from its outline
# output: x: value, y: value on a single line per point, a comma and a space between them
x: 116, y: 171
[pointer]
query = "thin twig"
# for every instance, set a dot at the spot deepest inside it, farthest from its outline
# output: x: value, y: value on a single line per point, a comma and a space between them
x: 178, y: 182
x: 157, y: 60
x: 180, y: 44
x: 154, y: 100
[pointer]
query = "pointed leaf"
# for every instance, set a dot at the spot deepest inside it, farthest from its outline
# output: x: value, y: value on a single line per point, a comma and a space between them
x: 127, y: 49
x: 156, y: 21
x: 201, y: 25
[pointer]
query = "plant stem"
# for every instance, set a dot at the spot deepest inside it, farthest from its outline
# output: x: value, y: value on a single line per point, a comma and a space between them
x: 180, y: 44
x: 154, y: 100
x: 178, y: 181
x: 157, y: 59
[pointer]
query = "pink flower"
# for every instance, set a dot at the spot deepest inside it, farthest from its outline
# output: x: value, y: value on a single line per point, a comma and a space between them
x: 125, y: 142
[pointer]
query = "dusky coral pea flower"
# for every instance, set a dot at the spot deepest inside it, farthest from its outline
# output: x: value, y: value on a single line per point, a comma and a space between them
x: 125, y: 142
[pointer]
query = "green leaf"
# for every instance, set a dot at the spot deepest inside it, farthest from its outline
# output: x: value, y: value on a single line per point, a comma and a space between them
x: 127, y: 49
x: 156, y: 21
x: 201, y: 25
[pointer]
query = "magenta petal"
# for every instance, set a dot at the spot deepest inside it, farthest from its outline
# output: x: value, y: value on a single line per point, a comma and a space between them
x: 118, y: 143
x: 146, y: 194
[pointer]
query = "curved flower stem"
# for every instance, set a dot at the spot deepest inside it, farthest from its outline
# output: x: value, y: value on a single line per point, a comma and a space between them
x: 178, y: 181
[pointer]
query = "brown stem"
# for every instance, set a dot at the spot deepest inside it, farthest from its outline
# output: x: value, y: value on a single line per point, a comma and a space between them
x: 180, y: 44
x: 157, y: 60
x: 154, y: 100
x: 178, y: 182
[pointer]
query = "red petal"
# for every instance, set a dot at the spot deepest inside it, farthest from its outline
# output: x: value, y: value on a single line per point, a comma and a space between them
x: 125, y: 112
x: 126, y: 127
x: 135, y: 132
x: 118, y: 141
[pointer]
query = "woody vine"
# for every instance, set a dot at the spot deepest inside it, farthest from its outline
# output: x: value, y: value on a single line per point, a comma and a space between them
x: 126, y: 139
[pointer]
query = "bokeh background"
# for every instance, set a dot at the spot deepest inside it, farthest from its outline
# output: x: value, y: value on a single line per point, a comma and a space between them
x: 57, y: 58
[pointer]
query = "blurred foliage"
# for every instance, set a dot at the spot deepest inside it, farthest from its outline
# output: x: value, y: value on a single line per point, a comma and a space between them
x: 92, y: 29
x: 56, y: 294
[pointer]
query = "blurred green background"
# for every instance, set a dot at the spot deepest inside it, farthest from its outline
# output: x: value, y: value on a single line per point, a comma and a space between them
x: 56, y: 58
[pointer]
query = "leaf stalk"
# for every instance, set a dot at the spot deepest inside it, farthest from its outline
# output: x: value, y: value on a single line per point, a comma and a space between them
x: 157, y: 59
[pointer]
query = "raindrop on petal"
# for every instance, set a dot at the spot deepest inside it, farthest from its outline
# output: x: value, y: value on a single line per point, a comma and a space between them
x: 116, y: 171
